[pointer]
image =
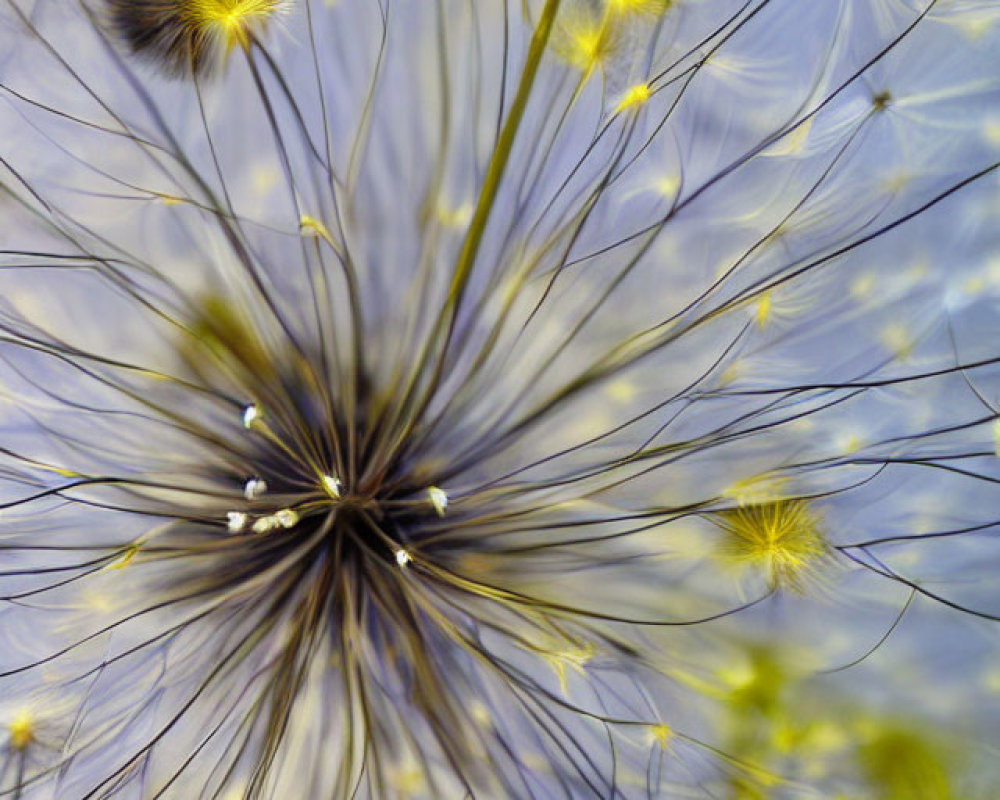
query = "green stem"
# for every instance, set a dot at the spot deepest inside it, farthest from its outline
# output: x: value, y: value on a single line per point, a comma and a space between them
x: 501, y: 155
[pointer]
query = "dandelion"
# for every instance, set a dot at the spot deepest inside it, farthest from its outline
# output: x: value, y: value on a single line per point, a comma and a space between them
x: 388, y: 390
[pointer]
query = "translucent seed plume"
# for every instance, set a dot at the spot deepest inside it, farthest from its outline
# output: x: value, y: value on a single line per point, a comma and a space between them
x: 783, y: 539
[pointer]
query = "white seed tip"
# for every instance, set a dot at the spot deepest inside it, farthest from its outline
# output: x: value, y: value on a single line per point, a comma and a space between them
x: 254, y: 488
x: 287, y: 518
x: 237, y: 521
x: 402, y: 557
x: 331, y: 486
x: 250, y: 415
x: 439, y: 499
x: 265, y: 525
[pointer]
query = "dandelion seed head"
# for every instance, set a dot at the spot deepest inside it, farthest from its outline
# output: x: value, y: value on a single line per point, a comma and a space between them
x: 190, y: 35
x: 784, y: 539
x: 622, y: 275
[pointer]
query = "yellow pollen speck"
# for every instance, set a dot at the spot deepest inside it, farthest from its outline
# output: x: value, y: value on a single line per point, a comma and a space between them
x: 992, y: 132
x: 636, y: 96
x: 264, y: 177
x: 409, y: 779
x: 976, y: 28
x: 22, y: 730
x: 661, y: 734
x: 622, y: 391
x: 737, y: 676
x: 763, y: 309
x: 97, y: 601
x: 896, y: 182
x: 454, y: 217
x: 310, y: 226
x: 668, y: 185
x: 851, y: 443
x: 794, y: 142
x: 977, y: 284
x: 862, y: 286
x: 732, y: 373
x: 996, y: 437
x: 168, y: 200
x: 480, y: 713
x: 898, y: 339
x: 991, y: 681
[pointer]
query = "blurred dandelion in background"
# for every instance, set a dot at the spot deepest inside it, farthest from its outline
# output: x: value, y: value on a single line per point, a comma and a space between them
x: 479, y: 398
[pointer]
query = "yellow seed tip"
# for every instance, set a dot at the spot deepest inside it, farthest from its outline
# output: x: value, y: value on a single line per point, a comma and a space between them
x: 22, y: 730
x: 661, y: 734
x: 634, y: 97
